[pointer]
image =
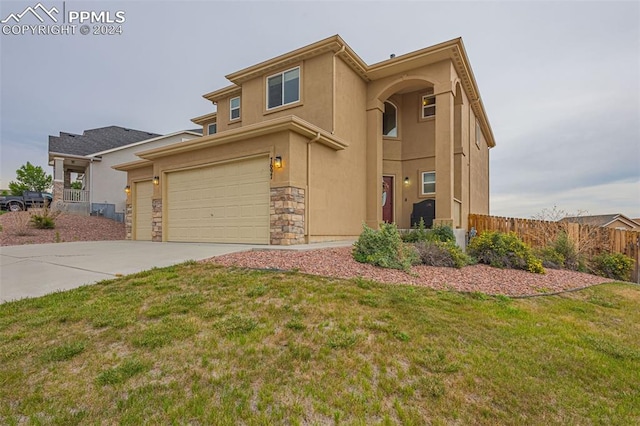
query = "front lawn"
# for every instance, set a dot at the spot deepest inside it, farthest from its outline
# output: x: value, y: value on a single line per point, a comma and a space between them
x: 201, y: 344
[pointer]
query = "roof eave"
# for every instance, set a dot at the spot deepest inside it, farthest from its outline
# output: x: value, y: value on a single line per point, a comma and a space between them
x: 333, y: 44
x: 204, y: 118
x: 225, y: 92
x: 132, y: 165
x: 290, y: 122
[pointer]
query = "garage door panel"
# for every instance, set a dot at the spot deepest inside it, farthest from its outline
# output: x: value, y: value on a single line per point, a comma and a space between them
x: 143, y: 210
x: 223, y: 203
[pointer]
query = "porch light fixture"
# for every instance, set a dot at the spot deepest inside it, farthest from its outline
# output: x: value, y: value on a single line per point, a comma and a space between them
x: 277, y: 162
x: 127, y: 189
x: 406, y: 180
x: 156, y: 180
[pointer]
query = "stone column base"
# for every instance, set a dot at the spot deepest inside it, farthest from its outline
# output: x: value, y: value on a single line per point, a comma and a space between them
x: 128, y: 221
x: 287, y: 216
x: 156, y: 220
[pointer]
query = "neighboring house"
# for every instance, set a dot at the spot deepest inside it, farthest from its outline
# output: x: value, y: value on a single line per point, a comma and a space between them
x: 311, y: 144
x: 91, y: 156
x: 614, y: 221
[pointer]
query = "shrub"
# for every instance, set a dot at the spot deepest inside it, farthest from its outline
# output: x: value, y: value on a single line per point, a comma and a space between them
x: 504, y: 251
x: 438, y: 253
x: 550, y: 258
x: 42, y: 222
x: 417, y: 233
x: 561, y: 253
x: 420, y: 233
x: 443, y: 234
x: 384, y: 248
x: 616, y: 266
x: 46, y: 219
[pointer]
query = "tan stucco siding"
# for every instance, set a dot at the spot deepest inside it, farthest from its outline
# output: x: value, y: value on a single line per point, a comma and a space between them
x: 315, y: 95
x: 139, y: 174
x: 338, y: 178
x: 478, y: 174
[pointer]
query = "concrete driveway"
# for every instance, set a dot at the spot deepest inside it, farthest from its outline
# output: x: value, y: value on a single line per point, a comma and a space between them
x: 39, y: 269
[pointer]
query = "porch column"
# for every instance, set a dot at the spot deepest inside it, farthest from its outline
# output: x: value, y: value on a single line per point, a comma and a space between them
x: 58, y: 179
x: 444, y: 156
x: 373, y: 185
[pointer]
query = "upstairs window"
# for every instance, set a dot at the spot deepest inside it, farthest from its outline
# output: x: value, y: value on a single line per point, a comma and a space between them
x: 428, y: 182
x: 429, y: 104
x: 283, y: 88
x: 234, y: 108
x: 212, y: 129
x: 390, y: 120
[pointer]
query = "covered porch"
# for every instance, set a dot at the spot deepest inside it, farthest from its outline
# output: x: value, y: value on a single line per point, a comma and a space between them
x: 68, y: 170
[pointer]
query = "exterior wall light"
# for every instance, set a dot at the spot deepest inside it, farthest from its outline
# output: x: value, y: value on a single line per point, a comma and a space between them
x: 277, y: 162
x: 156, y: 180
x: 127, y: 189
x: 406, y: 180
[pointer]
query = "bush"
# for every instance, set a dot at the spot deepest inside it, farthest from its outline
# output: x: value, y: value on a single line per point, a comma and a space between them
x: 616, y: 266
x: 421, y: 233
x: 42, y: 222
x: 504, y: 251
x: 550, y: 258
x: 417, y: 233
x: 45, y: 219
x: 438, y: 253
x: 443, y: 234
x: 561, y: 253
x: 384, y: 248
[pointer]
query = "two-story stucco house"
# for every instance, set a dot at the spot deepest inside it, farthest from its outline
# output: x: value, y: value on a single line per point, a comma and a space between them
x: 311, y: 144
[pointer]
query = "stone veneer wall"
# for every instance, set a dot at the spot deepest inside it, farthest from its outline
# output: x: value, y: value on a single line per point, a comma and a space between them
x: 156, y: 220
x: 58, y: 193
x: 128, y: 221
x: 287, y: 216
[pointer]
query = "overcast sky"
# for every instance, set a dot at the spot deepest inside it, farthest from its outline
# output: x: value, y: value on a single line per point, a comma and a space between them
x: 560, y: 81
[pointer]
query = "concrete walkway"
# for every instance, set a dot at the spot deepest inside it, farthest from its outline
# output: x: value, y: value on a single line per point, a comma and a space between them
x: 39, y: 269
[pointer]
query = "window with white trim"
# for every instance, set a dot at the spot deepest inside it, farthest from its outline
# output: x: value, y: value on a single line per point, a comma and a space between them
x: 283, y: 88
x: 428, y: 104
x: 234, y: 108
x: 212, y: 129
x: 428, y: 182
x: 390, y: 120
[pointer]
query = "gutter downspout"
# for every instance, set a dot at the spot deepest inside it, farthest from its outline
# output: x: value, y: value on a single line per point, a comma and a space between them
x: 333, y: 80
x: 90, y: 183
x: 307, y: 198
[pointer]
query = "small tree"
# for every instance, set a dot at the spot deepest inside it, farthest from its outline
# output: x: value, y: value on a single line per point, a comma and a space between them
x: 573, y: 240
x: 30, y: 178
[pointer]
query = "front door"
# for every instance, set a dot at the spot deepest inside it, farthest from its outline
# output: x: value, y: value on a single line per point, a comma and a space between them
x: 387, y: 199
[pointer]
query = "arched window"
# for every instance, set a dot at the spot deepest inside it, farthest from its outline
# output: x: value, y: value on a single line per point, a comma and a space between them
x: 390, y: 120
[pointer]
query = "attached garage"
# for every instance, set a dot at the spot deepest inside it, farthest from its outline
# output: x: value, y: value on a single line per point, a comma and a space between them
x: 142, y: 208
x: 223, y: 203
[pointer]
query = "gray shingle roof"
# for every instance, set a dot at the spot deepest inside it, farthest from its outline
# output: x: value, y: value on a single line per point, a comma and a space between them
x: 96, y: 140
x: 597, y: 220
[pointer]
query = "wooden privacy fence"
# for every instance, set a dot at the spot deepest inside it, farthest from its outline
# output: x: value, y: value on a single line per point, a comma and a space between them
x: 589, y: 240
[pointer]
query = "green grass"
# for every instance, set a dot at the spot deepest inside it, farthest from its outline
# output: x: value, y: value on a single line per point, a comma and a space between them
x: 199, y: 344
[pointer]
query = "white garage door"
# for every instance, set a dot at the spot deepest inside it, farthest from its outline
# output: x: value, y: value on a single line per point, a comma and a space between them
x: 226, y: 203
x: 143, y: 191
